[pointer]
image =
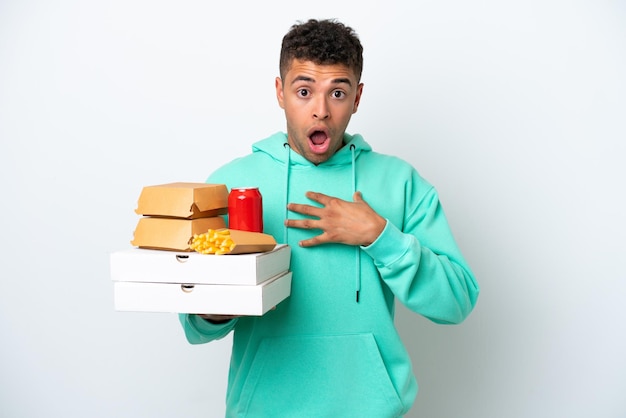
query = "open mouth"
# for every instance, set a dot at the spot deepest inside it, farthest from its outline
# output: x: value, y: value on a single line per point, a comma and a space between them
x: 319, y: 142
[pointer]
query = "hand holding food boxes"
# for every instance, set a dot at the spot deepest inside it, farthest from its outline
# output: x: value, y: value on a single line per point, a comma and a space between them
x: 173, y: 269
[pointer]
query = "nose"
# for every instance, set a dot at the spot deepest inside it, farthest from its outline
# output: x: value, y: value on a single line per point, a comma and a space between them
x: 320, y: 111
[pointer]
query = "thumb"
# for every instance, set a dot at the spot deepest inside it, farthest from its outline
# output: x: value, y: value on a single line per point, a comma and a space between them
x: 357, y: 197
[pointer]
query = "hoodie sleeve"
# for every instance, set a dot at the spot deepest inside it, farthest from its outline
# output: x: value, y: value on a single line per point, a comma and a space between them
x: 199, y: 331
x: 422, y: 264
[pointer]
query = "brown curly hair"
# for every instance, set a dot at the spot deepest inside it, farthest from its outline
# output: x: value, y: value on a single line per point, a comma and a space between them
x: 323, y: 42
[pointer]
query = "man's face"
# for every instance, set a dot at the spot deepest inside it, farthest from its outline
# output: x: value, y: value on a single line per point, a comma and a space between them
x: 319, y: 101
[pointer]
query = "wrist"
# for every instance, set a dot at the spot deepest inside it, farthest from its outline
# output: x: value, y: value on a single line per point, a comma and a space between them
x: 376, y: 230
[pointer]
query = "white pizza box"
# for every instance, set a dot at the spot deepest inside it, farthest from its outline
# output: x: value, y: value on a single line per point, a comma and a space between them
x: 159, y: 266
x: 202, y: 298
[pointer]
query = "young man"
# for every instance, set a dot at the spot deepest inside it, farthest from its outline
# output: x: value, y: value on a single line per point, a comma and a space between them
x: 364, y: 229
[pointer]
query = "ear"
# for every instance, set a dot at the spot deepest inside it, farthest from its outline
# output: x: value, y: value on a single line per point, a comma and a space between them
x: 357, y: 99
x: 279, y: 92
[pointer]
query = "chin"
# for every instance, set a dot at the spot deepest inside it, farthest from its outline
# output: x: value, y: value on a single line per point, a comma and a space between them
x: 317, y: 159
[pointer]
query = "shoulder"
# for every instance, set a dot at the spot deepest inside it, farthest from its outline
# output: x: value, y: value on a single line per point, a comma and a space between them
x: 234, y: 168
x: 391, y: 164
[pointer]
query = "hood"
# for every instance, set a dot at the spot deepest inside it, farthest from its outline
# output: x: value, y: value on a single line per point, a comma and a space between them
x: 274, y: 146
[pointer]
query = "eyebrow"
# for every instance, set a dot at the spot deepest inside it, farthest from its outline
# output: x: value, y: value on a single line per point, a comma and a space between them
x: 311, y: 80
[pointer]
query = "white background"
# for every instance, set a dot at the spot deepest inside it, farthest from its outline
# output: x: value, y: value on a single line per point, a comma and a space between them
x: 514, y: 110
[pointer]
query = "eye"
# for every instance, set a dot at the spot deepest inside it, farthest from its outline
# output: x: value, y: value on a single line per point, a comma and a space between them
x: 338, y: 94
x: 303, y: 92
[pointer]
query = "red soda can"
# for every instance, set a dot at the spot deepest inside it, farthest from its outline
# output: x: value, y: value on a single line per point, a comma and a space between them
x: 245, y: 209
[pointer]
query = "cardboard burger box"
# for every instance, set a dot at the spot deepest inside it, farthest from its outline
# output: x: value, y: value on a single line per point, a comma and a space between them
x: 174, y: 212
x: 183, y: 200
x: 172, y: 233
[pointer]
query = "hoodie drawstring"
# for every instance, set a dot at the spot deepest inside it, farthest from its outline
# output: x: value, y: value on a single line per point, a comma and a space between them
x: 357, y: 248
x: 285, y: 233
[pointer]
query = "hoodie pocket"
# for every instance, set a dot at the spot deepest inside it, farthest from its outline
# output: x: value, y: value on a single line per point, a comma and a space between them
x: 319, y: 376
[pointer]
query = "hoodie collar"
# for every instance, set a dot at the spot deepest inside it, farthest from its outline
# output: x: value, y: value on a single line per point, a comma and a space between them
x: 274, y: 147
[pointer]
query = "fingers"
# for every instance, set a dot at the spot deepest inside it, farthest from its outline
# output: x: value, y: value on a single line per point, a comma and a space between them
x: 312, y: 241
x: 311, y: 210
x: 302, y: 223
x: 323, y: 238
x: 320, y: 198
x: 306, y: 224
x: 315, y: 214
x: 304, y: 209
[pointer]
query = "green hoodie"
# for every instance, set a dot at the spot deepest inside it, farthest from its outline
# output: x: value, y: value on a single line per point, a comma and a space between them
x: 322, y: 353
